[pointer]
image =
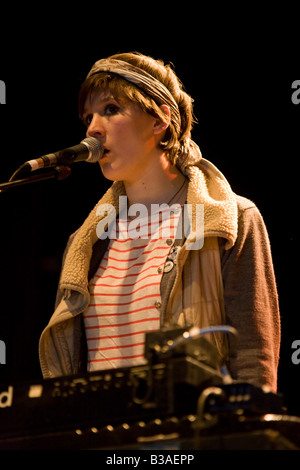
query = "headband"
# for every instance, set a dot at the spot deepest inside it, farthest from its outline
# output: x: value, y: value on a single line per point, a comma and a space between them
x: 143, y: 80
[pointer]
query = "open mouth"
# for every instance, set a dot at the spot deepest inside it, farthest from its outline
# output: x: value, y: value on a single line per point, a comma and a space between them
x: 105, y: 152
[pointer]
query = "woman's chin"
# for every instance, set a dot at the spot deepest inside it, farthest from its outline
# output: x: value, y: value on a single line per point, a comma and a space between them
x: 110, y: 174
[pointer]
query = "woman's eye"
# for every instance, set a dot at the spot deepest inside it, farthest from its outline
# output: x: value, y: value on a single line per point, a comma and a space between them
x: 88, y: 120
x: 111, y: 109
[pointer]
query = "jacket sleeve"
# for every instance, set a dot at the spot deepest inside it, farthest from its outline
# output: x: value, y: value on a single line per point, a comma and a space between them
x: 251, y: 300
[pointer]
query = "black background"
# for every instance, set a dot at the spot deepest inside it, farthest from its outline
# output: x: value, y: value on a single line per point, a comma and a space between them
x: 247, y: 126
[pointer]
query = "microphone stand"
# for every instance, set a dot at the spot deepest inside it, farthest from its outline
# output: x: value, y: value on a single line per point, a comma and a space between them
x: 58, y: 173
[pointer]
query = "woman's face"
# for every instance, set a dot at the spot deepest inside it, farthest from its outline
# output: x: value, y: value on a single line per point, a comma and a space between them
x: 127, y: 133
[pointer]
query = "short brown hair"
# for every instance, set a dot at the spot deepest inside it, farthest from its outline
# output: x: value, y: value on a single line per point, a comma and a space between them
x: 119, y: 87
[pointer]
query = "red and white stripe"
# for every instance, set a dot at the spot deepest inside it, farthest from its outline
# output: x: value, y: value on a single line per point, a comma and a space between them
x: 125, y: 300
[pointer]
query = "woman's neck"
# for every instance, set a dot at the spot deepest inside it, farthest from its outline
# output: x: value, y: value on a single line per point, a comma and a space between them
x: 155, y: 186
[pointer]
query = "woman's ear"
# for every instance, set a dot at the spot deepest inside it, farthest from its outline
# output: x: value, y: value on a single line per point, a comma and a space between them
x: 161, y: 125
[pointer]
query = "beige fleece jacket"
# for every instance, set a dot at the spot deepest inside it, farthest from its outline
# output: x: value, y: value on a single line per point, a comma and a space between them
x: 198, y: 292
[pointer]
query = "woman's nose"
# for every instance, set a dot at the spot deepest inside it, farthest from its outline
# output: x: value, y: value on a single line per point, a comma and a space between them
x: 95, y: 128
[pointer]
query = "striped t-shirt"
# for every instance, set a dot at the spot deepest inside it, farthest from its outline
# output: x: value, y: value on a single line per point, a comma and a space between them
x: 125, y: 293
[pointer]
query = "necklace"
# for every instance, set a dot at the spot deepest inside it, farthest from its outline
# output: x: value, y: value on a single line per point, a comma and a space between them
x: 177, y: 192
x: 172, y: 198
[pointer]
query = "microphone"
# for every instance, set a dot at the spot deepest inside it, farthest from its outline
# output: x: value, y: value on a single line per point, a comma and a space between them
x: 89, y: 150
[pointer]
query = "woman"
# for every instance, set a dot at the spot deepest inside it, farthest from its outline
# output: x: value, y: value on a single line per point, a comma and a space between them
x: 115, y: 288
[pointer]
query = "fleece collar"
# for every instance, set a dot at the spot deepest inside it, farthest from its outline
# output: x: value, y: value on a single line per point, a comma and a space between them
x: 206, y: 186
